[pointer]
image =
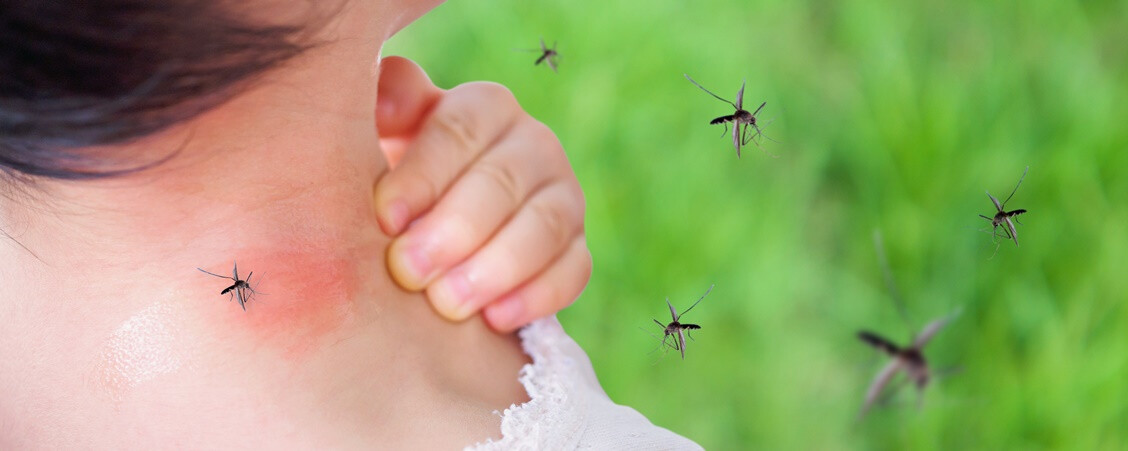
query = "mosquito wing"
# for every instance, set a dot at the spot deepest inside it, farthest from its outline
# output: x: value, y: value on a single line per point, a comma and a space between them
x: 1010, y: 227
x: 736, y: 141
x: 235, y: 271
x: 879, y: 382
x: 551, y: 60
x: 673, y: 313
x: 995, y: 201
x: 241, y: 295
x: 740, y: 97
x: 681, y: 343
x: 931, y: 329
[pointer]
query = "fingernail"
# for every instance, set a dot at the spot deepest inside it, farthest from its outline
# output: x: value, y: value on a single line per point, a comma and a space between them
x: 505, y: 314
x: 410, y: 263
x: 451, y: 295
x: 419, y: 263
x: 397, y: 216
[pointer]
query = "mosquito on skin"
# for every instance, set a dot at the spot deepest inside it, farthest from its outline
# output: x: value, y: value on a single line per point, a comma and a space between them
x: 675, y: 328
x: 741, y: 120
x: 1003, y: 217
x: 237, y: 290
x: 547, y: 55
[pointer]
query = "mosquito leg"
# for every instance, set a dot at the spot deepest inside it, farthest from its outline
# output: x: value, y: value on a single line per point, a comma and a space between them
x: 213, y: 274
x: 1006, y: 232
x: 759, y: 133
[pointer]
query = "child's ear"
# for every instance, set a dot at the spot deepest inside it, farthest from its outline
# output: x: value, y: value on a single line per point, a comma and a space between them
x: 404, y: 96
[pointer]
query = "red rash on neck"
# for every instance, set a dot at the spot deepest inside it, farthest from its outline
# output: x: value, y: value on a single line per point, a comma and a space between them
x: 302, y: 298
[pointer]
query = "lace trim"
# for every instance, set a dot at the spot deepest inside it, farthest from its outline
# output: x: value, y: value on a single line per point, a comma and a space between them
x: 553, y: 417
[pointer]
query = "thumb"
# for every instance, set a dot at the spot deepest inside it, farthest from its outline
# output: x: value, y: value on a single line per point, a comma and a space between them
x: 404, y: 95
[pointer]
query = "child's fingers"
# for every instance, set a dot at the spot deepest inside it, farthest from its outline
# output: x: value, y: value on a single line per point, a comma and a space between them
x: 478, y: 203
x: 404, y: 94
x: 547, y: 293
x: 465, y: 122
x: 539, y: 232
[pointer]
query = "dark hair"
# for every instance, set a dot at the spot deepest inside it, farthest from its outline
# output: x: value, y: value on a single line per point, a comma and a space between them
x: 77, y: 73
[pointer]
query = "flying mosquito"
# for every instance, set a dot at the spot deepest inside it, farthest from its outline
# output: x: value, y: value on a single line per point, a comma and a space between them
x: 1003, y: 217
x: 549, y: 56
x: 741, y: 120
x: 675, y: 327
x: 237, y: 290
x: 909, y: 358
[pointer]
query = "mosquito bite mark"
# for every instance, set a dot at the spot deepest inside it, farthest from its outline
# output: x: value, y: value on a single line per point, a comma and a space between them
x: 303, y: 299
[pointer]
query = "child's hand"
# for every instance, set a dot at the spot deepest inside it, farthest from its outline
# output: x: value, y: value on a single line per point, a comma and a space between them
x: 498, y: 213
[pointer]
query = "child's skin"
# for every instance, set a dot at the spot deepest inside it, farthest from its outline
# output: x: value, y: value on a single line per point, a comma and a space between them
x: 112, y: 339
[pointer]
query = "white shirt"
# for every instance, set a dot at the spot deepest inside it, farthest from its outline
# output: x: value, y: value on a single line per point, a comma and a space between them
x: 567, y: 408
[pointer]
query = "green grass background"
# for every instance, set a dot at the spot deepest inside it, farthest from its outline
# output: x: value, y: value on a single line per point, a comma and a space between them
x: 888, y: 115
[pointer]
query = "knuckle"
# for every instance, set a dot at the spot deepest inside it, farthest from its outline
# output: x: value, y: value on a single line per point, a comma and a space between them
x: 493, y: 90
x: 541, y: 133
x: 504, y: 176
x: 457, y: 126
x: 556, y: 218
x: 411, y: 186
x: 575, y: 194
x: 417, y: 187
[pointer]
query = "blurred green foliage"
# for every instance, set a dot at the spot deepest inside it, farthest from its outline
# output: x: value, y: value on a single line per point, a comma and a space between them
x: 891, y: 116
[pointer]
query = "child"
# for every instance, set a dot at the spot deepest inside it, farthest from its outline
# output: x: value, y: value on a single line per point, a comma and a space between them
x: 145, y: 140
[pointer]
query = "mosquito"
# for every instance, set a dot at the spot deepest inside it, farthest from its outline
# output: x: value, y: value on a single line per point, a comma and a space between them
x: 909, y: 358
x: 549, y: 56
x: 741, y: 120
x: 675, y: 327
x: 237, y: 290
x: 1003, y: 217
